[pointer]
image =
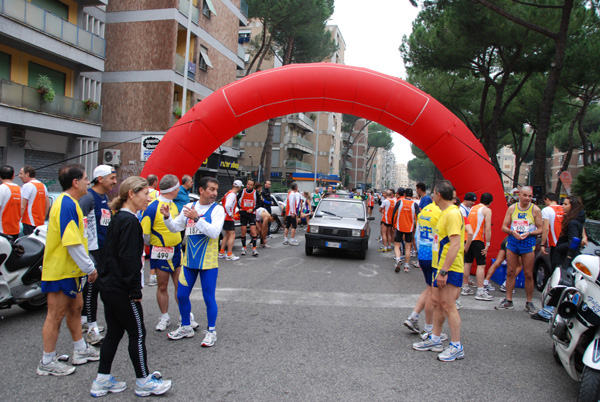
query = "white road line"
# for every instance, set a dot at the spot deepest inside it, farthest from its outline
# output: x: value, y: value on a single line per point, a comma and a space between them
x: 336, y: 299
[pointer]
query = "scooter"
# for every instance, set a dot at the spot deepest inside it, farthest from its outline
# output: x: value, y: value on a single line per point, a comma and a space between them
x: 21, y: 270
x: 575, y: 323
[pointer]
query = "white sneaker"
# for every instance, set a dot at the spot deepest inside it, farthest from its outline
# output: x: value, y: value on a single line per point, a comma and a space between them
x: 103, y: 388
x: 55, y: 367
x: 451, y: 353
x: 209, y: 339
x: 294, y: 242
x: 221, y: 255
x: 254, y: 253
x: 459, y: 304
x: 232, y: 258
x: 154, y: 386
x: 193, y: 323
x: 163, y: 324
x: 467, y: 291
x: 181, y: 332
x: 243, y: 251
x: 85, y: 327
x: 90, y: 354
x: 93, y: 337
x: 484, y: 296
x: 153, y: 281
x: 285, y: 241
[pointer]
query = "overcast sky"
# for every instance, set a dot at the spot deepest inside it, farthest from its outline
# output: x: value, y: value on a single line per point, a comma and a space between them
x: 373, y: 33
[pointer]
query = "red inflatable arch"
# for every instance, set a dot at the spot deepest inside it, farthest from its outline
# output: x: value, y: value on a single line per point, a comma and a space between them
x: 295, y: 88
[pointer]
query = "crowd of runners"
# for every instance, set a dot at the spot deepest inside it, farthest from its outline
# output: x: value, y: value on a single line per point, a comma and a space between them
x: 96, y: 246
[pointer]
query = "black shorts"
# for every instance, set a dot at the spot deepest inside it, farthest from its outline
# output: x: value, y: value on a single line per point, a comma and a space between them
x: 408, y: 237
x: 247, y: 218
x: 229, y: 226
x: 474, y: 253
x: 291, y: 221
x: 387, y: 225
x: 370, y: 207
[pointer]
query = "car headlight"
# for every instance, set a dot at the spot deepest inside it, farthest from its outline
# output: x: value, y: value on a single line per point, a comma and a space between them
x: 357, y: 233
x: 313, y: 229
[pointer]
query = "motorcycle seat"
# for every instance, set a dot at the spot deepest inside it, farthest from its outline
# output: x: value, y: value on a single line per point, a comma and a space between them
x: 34, y: 252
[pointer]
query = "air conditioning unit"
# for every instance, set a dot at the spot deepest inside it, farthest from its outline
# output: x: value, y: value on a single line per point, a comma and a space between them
x: 244, y: 173
x: 112, y: 157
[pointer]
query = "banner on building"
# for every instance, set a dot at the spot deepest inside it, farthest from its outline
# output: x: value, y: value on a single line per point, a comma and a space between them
x: 149, y: 144
x: 567, y: 180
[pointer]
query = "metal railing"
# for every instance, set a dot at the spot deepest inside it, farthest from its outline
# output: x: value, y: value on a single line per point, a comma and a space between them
x: 42, y: 20
x: 302, y: 142
x: 180, y: 67
x: 184, y: 5
x: 21, y: 96
x: 298, y: 165
x: 244, y: 8
x: 348, y: 165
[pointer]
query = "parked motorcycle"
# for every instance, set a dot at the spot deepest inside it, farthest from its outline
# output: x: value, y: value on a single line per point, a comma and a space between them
x: 575, y: 323
x: 21, y: 270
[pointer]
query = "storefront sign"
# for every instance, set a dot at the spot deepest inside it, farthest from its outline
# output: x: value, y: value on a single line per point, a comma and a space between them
x: 149, y: 144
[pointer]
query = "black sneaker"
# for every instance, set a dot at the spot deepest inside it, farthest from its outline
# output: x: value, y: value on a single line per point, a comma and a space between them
x: 538, y: 317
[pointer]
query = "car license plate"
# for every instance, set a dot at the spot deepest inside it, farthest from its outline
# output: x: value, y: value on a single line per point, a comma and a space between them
x: 333, y: 244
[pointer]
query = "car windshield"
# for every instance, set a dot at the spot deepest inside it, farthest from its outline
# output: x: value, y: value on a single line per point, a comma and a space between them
x: 592, y: 230
x: 332, y: 207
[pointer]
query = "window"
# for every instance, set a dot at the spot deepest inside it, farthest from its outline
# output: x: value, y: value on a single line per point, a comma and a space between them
x: 561, y: 158
x: 54, y: 6
x: 275, y: 158
x: 277, y: 134
x: 4, y: 66
x: 58, y: 78
x: 208, y: 8
x: 204, y: 61
x: 580, y: 159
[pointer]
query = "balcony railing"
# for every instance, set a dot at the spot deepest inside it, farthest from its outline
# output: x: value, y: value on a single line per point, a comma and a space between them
x: 25, y: 97
x: 301, y: 144
x: 350, y: 152
x: 241, y: 52
x: 348, y: 165
x: 303, y: 121
x: 184, y: 5
x: 298, y: 165
x: 345, y: 137
x: 244, y: 8
x: 180, y: 66
x: 40, y: 19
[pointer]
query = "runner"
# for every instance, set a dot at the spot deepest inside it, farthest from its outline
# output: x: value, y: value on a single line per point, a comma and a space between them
x: 229, y: 203
x: 292, y: 209
x: 387, y: 211
x: 404, y: 217
x: 480, y: 220
x: 248, y: 201
x: 66, y: 262
x: 165, y: 247
x: 10, y: 203
x: 153, y: 193
x: 425, y: 199
x: 203, y: 222
x: 523, y: 222
x: 305, y: 210
x: 263, y: 220
x: 35, y: 203
x: 94, y: 206
x: 465, y: 206
x: 448, y: 264
x: 370, y: 202
x: 121, y: 280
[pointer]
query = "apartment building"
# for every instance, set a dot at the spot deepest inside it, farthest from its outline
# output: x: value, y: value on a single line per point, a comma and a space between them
x: 306, y: 146
x: 63, y: 41
x: 149, y: 66
x: 356, y: 163
x: 385, y: 170
x: 574, y: 168
x: 507, y: 161
x: 402, y: 177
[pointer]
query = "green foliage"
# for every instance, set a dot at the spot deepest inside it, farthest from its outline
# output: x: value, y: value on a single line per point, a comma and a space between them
x: 278, y: 187
x: 586, y: 186
x: 380, y: 137
x: 421, y: 170
x: 44, y: 86
x: 177, y: 112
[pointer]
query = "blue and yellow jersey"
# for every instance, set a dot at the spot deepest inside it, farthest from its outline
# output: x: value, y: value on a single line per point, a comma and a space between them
x: 450, y: 223
x: 66, y: 227
x: 153, y: 224
x: 427, y: 220
x: 201, y: 251
x: 523, y: 221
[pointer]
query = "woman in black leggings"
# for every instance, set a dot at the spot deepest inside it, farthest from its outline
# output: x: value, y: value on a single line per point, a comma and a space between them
x: 121, y: 283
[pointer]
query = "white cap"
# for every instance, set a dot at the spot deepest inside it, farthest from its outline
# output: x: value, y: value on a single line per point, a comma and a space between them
x: 238, y: 183
x: 103, y: 171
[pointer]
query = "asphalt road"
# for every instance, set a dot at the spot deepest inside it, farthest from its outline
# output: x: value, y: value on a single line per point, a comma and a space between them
x: 321, y: 328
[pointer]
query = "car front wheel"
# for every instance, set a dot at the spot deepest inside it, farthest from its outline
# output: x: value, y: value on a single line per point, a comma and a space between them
x: 540, y: 275
x: 308, y: 250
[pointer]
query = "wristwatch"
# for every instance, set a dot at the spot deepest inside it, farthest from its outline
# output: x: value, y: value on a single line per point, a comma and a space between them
x: 196, y: 219
x: 443, y: 273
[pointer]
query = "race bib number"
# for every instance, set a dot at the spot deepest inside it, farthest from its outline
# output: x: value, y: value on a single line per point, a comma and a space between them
x: 191, y: 228
x: 248, y: 203
x: 436, y: 244
x: 521, y: 225
x: 85, y: 228
x: 105, y: 219
x: 162, y: 253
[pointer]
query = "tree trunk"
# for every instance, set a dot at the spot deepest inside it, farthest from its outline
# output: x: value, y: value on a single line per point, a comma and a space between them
x: 264, y: 54
x: 584, y: 140
x: 267, y: 152
x: 260, y: 50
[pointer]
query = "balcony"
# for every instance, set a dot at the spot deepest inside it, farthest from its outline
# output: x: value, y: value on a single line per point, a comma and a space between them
x: 244, y: 8
x: 345, y: 137
x: 349, y: 165
x: 302, y: 121
x: 241, y: 52
x: 44, y: 21
x: 184, y: 6
x: 24, y: 97
x: 180, y: 66
x: 300, y: 144
x: 350, y: 152
x: 298, y: 165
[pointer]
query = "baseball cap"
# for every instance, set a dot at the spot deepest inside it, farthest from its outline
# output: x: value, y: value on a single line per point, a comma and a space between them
x: 238, y: 183
x: 470, y: 197
x: 102, y: 171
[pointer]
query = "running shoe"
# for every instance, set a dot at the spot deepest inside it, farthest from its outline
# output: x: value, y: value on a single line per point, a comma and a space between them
x: 505, y: 305
x: 181, y: 332
x: 530, y: 308
x: 243, y: 251
x: 426, y: 334
x: 483, y: 296
x: 428, y: 344
x: 467, y: 291
x: 55, y: 367
x: 389, y: 249
x: 85, y: 327
x: 539, y: 317
x: 90, y: 354
x: 232, y: 258
x: 193, y: 323
x: 103, y: 388
x: 459, y: 304
x: 412, y: 324
x: 155, y: 385
x: 398, y: 263
x: 406, y: 268
x: 163, y: 324
x: 93, y: 337
x: 254, y: 253
x: 472, y: 283
x: 488, y: 288
x: 285, y: 242
x: 382, y: 249
x: 503, y: 289
x: 452, y: 353
x: 209, y: 339
x: 153, y: 281
x: 294, y: 242
x: 412, y: 253
x: 221, y: 255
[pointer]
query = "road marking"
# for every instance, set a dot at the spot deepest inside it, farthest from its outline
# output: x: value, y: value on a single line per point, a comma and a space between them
x: 370, y: 270
x: 293, y: 263
x: 334, y: 299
